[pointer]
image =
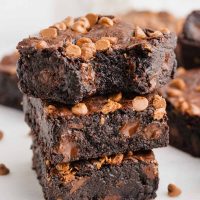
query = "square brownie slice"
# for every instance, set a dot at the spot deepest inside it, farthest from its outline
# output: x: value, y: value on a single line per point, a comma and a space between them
x: 123, y: 176
x: 189, y: 41
x: 77, y: 58
x: 9, y: 92
x: 183, y: 109
x: 98, y: 126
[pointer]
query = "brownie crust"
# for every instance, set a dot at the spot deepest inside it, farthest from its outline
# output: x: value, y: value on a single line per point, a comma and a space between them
x: 132, y: 64
x: 107, y: 128
x: 132, y: 176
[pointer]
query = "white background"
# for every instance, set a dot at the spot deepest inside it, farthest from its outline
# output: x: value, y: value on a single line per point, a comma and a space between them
x: 21, y: 18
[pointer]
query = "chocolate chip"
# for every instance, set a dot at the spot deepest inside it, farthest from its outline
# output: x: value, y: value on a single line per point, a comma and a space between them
x: 80, y: 109
x: 92, y: 18
x: 102, y: 45
x: 1, y: 135
x: 49, y: 33
x: 106, y: 21
x: 73, y: 50
x: 140, y: 103
x: 4, y: 170
x: 173, y: 190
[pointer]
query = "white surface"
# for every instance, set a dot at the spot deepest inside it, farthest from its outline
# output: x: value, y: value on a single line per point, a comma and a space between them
x: 21, y: 184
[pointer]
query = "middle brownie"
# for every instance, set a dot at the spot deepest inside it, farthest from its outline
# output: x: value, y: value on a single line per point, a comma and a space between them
x: 100, y: 126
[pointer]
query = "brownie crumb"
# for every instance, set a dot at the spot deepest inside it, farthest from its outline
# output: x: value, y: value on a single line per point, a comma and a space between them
x: 4, y: 170
x: 1, y: 135
x: 173, y: 190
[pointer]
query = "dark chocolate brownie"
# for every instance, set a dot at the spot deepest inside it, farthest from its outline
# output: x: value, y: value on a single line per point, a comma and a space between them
x: 98, y: 127
x: 9, y: 92
x: 183, y: 97
x: 74, y: 59
x: 189, y: 41
x: 120, y: 177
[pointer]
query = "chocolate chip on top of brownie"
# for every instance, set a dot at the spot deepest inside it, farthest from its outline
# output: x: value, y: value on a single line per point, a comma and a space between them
x: 184, y: 92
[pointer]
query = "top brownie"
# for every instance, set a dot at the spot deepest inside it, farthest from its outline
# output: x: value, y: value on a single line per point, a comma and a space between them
x: 77, y: 58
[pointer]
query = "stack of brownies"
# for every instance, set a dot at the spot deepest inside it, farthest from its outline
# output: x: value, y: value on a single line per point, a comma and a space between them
x: 91, y: 101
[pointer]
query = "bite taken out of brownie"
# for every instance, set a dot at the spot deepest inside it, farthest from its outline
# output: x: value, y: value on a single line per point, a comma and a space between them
x: 94, y: 54
x: 189, y: 41
x: 9, y: 92
x: 183, y: 109
x: 99, y: 126
x: 131, y: 176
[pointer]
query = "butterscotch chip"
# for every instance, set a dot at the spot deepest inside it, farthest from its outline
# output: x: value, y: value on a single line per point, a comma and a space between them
x: 172, y: 92
x: 156, y: 34
x: 111, y: 106
x: 178, y: 83
x: 4, y: 170
x: 102, y: 45
x: 139, y: 33
x: 159, y: 102
x: 180, y: 71
x: 102, y: 120
x: 106, y: 21
x: 113, y: 40
x: 86, y: 53
x: 140, y: 103
x: 85, y: 22
x: 159, y: 113
x: 183, y: 106
x: 1, y: 135
x: 73, y: 50
x: 82, y: 41
x: 49, y: 33
x: 173, y: 190
x: 91, y: 46
x: 69, y: 21
x: 197, y: 88
x: 117, y: 160
x: 116, y: 97
x: 165, y: 30
x: 92, y: 18
x: 60, y: 26
x: 80, y: 109
x: 41, y: 45
x: 79, y: 26
x: 193, y: 110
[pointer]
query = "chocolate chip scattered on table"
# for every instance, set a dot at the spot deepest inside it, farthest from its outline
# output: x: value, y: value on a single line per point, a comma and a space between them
x: 4, y: 170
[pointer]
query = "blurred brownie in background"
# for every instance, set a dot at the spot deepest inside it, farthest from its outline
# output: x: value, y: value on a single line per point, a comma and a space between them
x: 183, y: 99
x: 189, y: 41
x: 154, y: 20
x: 9, y: 92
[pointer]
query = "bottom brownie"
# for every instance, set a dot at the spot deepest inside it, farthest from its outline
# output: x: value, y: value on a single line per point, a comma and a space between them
x: 130, y: 176
x: 183, y: 108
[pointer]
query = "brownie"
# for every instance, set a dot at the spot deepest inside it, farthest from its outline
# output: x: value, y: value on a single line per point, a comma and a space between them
x: 183, y: 97
x: 100, y: 55
x: 9, y: 92
x: 154, y: 20
x: 98, y: 126
x: 189, y: 41
x: 123, y: 176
